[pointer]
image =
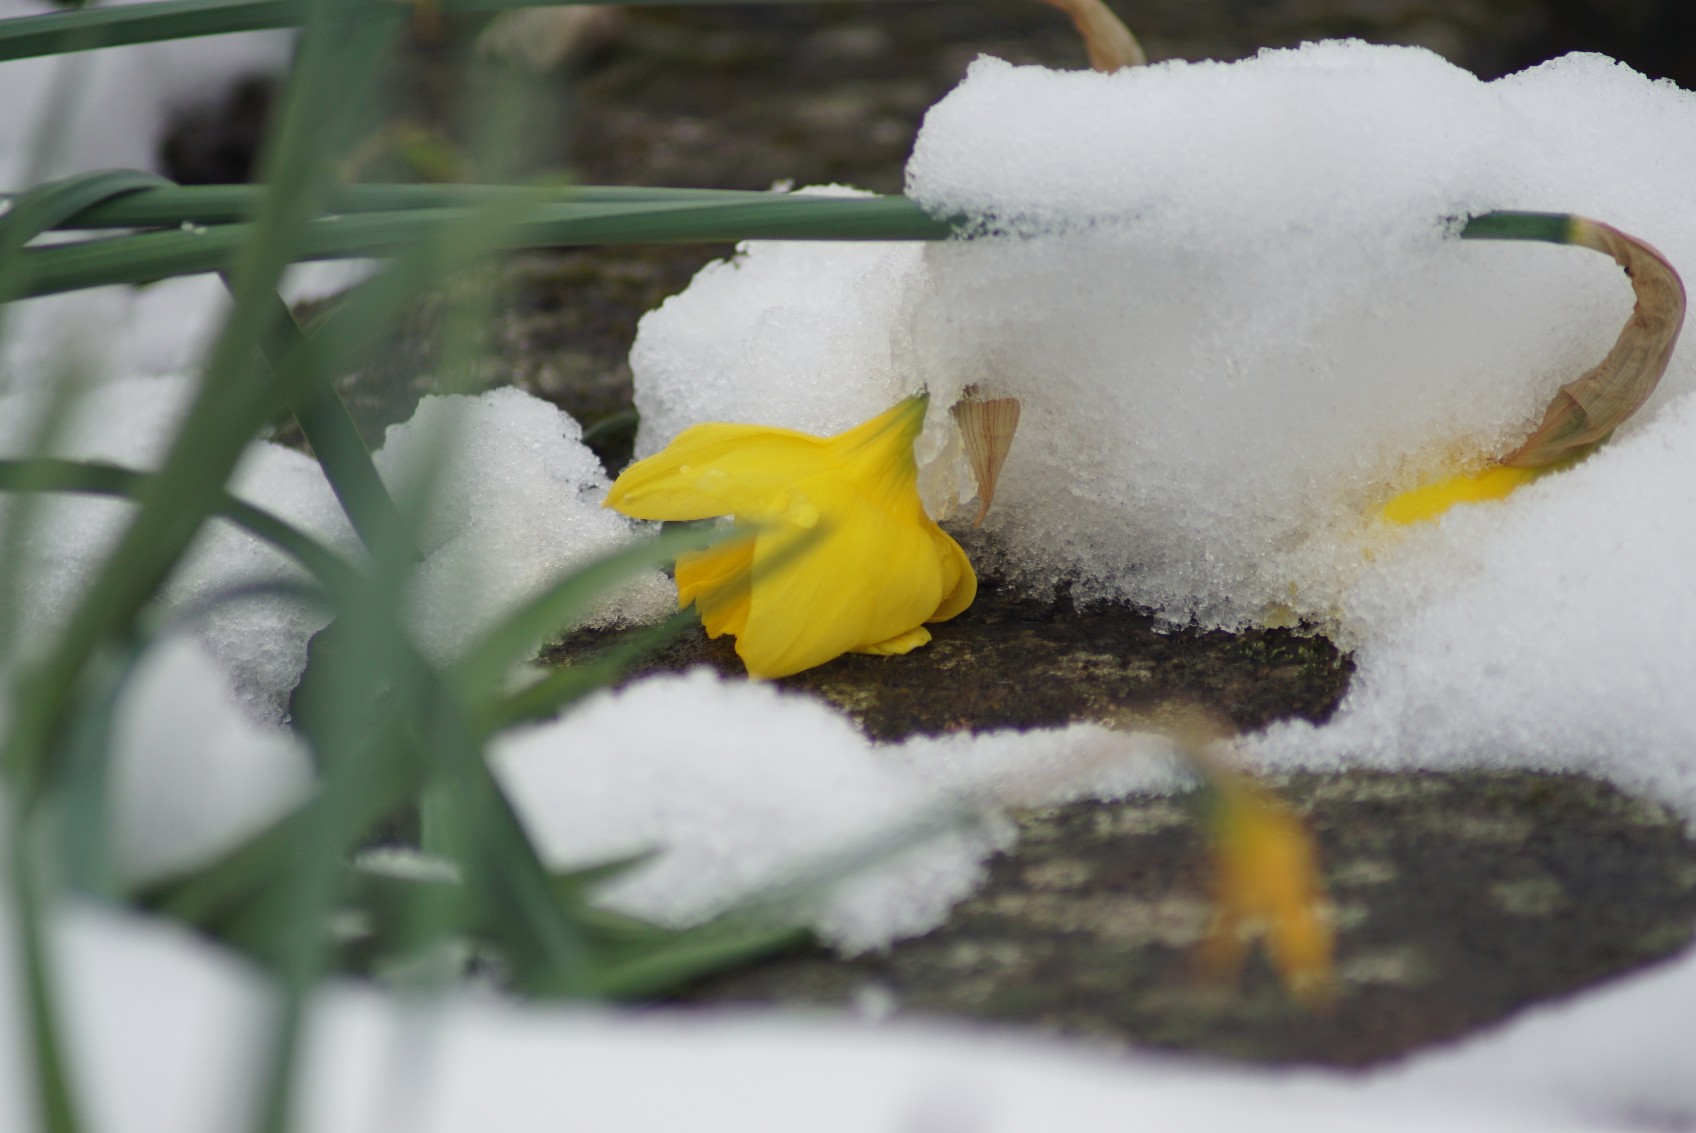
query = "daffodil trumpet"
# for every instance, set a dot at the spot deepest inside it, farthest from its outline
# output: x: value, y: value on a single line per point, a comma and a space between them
x: 874, y: 568
x: 1585, y: 412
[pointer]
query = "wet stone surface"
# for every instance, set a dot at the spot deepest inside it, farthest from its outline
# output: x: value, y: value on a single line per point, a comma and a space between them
x: 1456, y: 899
x: 1014, y: 661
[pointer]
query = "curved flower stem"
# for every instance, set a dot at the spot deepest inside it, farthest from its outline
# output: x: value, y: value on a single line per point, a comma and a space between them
x: 1586, y: 411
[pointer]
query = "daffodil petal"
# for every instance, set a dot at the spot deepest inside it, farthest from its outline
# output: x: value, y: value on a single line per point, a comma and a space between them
x: 897, y: 645
x: 878, y: 454
x: 718, y: 582
x: 714, y: 469
x: 1268, y: 883
x: 959, y: 580
x: 870, y: 577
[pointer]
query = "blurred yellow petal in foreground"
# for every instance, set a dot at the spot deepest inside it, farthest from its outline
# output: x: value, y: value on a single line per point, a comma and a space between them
x: 843, y: 557
x: 1267, y: 884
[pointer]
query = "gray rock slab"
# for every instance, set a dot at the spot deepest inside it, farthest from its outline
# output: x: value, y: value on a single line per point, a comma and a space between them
x: 1456, y: 900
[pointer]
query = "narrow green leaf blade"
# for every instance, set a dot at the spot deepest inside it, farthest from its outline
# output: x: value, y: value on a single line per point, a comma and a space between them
x: 147, y: 256
x: 516, y: 636
x: 112, y: 26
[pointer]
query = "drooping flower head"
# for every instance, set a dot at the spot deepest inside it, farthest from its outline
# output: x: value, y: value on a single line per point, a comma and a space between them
x: 843, y: 557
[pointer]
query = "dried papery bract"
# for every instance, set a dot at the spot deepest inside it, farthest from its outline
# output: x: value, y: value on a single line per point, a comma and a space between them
x: 987, y: 426
x: 1110, y: 44
x: 1586, y: 411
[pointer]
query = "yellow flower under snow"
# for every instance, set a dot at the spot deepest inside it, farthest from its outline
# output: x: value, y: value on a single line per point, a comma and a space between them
x: 843, y: 558
x: 1492, y: 482
x: 1432, y: 500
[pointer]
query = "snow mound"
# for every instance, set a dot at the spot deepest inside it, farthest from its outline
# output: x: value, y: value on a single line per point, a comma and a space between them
x: 514, y: 502
x: 192, y: 776
x: 737, y: 787
x: 1550, y: 630
x: 169, y: 1034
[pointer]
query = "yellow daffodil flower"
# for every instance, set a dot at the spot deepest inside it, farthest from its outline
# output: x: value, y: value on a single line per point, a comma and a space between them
x: 843, y: 558
x: 1267, y: 883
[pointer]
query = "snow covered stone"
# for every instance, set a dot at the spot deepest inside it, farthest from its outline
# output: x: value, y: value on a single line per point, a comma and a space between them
x: 737, y: 788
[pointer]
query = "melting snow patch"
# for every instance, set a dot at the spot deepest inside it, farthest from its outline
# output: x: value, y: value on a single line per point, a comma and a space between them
x: 1046, y: 766
x: 260, y: 638
x: 1550, y: 630
x: 514, y: 503
x: 736, y: 787
x: 515, y: 506
x: 191, y: 774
